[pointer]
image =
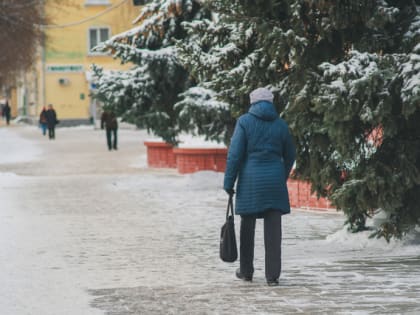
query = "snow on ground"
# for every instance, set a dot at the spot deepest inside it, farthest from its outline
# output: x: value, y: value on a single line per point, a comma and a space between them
x: 14, y: 148
x: 140, y: 162
x: 85, y: 231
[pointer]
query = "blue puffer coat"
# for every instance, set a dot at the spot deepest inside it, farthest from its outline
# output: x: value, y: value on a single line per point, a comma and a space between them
x: 261, y: 156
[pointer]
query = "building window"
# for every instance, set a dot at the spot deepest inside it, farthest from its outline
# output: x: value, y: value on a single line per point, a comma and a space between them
x: 97, y: 36
x: 140, y: 2
x: 97, y: 2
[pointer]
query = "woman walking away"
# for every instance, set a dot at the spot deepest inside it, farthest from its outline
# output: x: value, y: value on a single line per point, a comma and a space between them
x: 43, y: 120
x: 261, y: 156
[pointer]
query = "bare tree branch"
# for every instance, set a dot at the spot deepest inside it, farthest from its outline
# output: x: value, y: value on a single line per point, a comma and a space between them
x: 19, y: 36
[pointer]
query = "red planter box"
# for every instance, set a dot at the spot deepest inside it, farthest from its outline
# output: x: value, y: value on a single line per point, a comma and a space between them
x: 300, y: 196
x: 189, y: 160
x: 160, y: 154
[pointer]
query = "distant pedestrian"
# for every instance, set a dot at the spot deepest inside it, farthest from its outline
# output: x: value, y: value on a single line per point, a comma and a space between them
x: 109, y: 121
x: 6, y: 112
x: 52, y: 121
x: 43, y: 120
x: 261, y: 155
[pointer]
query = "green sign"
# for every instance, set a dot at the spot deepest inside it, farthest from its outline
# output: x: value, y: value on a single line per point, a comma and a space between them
x: 64, y: 68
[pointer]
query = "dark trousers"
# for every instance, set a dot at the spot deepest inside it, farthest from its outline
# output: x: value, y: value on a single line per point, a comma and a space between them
x: 51, y: 132
x: 109, y: 134
x: 272, y: 244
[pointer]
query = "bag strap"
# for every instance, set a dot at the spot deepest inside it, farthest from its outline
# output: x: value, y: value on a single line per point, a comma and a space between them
x: 230, y: 207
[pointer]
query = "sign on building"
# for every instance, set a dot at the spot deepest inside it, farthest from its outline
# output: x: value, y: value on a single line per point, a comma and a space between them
x: 64, y: 68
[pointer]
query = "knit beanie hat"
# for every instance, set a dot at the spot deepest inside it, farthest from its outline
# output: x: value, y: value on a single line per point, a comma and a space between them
x: 261, y: 94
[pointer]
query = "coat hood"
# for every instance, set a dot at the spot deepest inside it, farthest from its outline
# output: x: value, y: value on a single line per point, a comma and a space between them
x: 264, y: 110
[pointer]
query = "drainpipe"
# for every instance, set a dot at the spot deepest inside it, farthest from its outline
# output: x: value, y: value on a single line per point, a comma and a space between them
x: 43, y: 58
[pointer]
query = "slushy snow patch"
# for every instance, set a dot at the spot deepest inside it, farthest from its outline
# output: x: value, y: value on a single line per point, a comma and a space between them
x: 15, y: 149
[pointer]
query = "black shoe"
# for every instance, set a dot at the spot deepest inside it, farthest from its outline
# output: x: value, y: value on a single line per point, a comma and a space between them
x: 241, y: 276
x: 273, y: 283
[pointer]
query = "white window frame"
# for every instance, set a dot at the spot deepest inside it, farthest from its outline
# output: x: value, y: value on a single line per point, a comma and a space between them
x: 98, y: 32
x: 97, y: 2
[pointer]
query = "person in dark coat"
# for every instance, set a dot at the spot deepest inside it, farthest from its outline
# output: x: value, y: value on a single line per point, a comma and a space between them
x: 51, y: 117
x: 260, y: 157
x: 6, y: 112
x: 43, y: 120
x: 109, y: 121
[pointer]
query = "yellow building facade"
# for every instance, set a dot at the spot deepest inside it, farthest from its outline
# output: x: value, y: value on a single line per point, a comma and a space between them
x: 62, y: 76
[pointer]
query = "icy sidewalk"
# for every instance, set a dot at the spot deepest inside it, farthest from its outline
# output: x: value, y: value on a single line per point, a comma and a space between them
x: 181, y: 273
x: 87, y: 231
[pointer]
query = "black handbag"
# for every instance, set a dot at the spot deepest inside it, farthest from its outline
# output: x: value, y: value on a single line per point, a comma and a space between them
x: 228, y: 248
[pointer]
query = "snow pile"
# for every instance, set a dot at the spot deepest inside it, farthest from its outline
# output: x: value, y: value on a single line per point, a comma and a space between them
x: 362, y: 240
x: 191, y: 141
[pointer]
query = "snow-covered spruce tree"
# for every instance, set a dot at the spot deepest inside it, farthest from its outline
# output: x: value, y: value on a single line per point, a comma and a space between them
x: 242, y: 47
x: 146, y: 94
x: 348, y: 73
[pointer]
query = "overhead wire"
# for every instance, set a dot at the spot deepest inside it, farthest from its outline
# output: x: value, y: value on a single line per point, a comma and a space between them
x: 49, y: 26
